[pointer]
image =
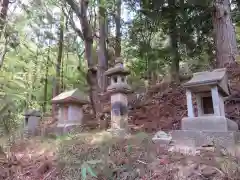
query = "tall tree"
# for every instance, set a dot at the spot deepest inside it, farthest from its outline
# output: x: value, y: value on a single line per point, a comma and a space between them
x: 102, y: 51
x: 3, y: 14
x: 224, y: 34
x: 57, y: 83
x: 117, y: 18
x: 86, y: 34
x: 173, y: 31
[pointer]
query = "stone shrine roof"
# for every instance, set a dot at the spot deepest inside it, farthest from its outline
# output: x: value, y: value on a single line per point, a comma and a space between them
x: 33, y: 113
x: 117, y: 69
x: 73, y: 96
x: 203, y: 81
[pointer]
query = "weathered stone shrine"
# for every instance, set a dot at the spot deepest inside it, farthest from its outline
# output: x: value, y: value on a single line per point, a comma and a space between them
x: 70, y: 111
x: 31, y: 121
x: 209, y: 125
x: 118, y: 89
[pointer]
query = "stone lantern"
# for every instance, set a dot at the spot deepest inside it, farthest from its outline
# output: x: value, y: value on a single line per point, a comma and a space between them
x: 118, y: 90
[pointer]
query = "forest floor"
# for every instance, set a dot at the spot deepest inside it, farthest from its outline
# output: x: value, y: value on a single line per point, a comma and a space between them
x: 98, y: 155
x: 85, y: 155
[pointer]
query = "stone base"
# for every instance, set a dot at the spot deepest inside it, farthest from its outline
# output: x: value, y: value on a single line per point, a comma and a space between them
x: 62, y: 129
x: 118, y: 132
x: 225, y: 140
x: 209, y: 123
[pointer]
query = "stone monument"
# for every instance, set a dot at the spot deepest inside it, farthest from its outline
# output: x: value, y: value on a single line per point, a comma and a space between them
x: 209, y: 126
x: 70, y: 112
x: 32, y: 122
x: 118, y: 90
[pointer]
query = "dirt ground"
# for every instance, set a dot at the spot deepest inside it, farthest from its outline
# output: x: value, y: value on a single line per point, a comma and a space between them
x: 85, y: 155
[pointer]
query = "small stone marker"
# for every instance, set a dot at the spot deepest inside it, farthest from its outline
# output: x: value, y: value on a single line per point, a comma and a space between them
x: 162, y: 138
x: 31, y: 122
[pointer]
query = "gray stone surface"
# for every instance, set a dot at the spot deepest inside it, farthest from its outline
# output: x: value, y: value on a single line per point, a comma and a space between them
x: 208, y: 123
x: 33, y: 113
x: 32, y: 121
x: 203, y: 138
x: 162, y: 138
x: 73, y: 96
x: 204, y: 80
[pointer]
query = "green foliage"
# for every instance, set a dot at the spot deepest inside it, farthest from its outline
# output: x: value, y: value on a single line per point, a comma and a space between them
x: 32, y: 60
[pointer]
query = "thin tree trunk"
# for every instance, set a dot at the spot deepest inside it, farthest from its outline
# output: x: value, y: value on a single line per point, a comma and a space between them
x: 46, y: 83
x: 60, y: 54
x: 4, y: 52
x: 174, y: 42
x: 62, y: 76
x: 3, y: 14
x: 224, y: 34
x: 118, y: 28
x: 57, y: 85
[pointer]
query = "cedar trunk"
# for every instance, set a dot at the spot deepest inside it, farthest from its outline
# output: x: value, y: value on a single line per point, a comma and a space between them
x: 224, y: 34
x: 102, y: 51
x: 118, y: 28
x: 102, y: 56
x: 58, y: 65
x: 3, y: 14
x: 174, y: 42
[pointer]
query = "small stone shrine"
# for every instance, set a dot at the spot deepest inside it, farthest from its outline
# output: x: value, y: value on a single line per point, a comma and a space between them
x: 208, y: 126
x: 70, y: 111
x: 32, y: 122
x: 118, y: 90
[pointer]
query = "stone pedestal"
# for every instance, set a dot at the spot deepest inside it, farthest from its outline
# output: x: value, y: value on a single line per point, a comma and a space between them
x: 226, y: 140
x: 208, y: 123
x: 119, y: 115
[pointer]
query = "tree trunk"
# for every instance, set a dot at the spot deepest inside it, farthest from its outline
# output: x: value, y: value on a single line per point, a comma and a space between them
x: 3, y: 14
x: 59, y: 57
x: 46, y: 83
x: 87, y: 36
x: 224, y: 34
x: 102, y: 51
x: 4, y: 52
x: 102, y: 56
x: 174, y: 42
x: 57, y: 85
x: 88, y: 42
x: 118, y: 28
